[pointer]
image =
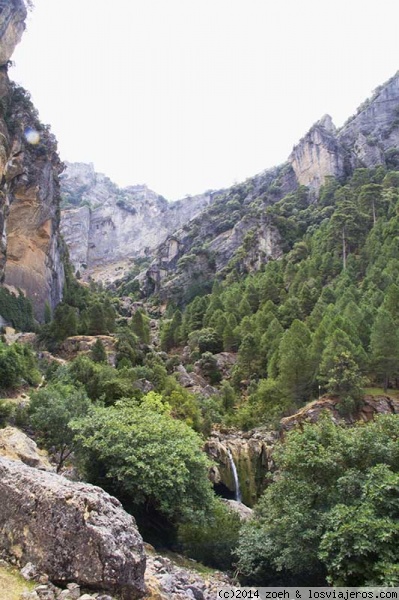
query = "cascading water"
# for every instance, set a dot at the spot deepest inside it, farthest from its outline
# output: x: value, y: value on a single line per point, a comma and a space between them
x: 235, y: 475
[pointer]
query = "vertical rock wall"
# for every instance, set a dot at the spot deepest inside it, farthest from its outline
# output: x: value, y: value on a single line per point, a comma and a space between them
x: 30, y: 244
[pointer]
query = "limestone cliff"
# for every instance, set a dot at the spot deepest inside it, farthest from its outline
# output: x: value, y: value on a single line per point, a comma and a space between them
x: 189, y: 243
x: 369, y: 138
x: 233, y: 233
x: 318, y: 155
x: 106, y: 227
x: 31, y: 247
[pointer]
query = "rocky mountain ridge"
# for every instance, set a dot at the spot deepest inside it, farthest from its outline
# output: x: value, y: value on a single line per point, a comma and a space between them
x: 188, y: 242
x: 369, y: 138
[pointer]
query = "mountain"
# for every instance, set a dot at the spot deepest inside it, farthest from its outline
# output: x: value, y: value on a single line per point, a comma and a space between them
x: 107, y: 227
x: 112, y: 233
x: 31, y: 248
x: 238, y: 231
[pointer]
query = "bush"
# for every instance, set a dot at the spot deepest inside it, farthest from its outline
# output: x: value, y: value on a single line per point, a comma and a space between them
x: 7, y: 409
x: 214, y: 540
x: 17, y: 365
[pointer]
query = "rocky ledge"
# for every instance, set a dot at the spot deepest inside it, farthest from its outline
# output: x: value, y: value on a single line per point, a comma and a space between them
x: 73, y: 532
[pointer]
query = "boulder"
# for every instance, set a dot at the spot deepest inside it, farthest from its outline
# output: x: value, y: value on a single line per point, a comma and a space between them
x: 16, y: 445
x: 74, y: 532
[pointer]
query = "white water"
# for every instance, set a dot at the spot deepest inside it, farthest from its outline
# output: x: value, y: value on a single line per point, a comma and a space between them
x: 237, y: 490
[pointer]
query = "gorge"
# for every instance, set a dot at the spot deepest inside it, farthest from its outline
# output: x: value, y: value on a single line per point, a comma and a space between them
x: 242, y: 343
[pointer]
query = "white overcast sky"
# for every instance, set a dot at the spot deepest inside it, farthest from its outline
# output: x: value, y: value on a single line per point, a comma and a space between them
x: 187, y: 95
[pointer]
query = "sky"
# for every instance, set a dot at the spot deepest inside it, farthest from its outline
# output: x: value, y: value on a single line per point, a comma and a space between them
x: 191, y: 95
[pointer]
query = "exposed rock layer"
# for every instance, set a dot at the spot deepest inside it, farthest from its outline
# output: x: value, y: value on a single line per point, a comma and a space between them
x: 252, y: 454
x: 30, y: 244
x: 109, y: 223
x: 71, y: 531
x: 367, y: 139
x: 16, y: 445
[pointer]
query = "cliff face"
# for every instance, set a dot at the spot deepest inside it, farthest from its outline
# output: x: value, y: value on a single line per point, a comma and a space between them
x: 110, y: 224
x: 252, y: 455
x: 368, y: 139
x: 233, y: 233
x: 31, y: 247
x: 318, y: 155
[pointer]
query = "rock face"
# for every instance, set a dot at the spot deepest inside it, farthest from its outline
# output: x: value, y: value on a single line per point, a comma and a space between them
x: 368, y: 139
x: 252, y: 455
x: 12, y: 26
x: 233, y: 233
x: 318, y: 155
x: 191, y: 242
x: 73, y: 532
x: 30, y: 245
x: 104, y: 224
x: 16, y: 445
x: 370, y: 407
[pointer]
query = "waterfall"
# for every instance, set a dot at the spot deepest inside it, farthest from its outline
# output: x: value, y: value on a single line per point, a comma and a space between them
x: 235, y: 475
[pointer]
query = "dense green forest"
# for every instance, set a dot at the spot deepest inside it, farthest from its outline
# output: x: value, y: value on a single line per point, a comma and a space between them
x: 321, y: 320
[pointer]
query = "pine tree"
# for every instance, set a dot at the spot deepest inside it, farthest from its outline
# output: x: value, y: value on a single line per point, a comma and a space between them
x: 140, y: 327
x: 98, y: 353
x: 384, y: 346
x: 295, y: 366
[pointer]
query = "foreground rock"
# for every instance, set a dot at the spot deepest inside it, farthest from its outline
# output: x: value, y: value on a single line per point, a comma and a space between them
x: 16, y: 445
x: 73, y: 532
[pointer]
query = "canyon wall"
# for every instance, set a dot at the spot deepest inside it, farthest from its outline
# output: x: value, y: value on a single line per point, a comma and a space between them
x: 31, y: 248
x: 104, y: 225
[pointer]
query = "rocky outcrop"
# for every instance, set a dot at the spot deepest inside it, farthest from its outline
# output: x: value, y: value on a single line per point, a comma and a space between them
x: 83, y: 344
x: 73, y: 532
x: 12, y: 25
x: 103, y: 224
x: 181, y: 262
x: 30, y: 244
x: 194, y: 382
x: 368, y: 139
x: 367, y: 410
x: 252, y: 455
x: 318, y: 155
x: 374, y: 130
x: 16, y: 445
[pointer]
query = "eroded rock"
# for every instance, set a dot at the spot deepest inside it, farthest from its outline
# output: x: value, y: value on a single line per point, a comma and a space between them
x: 252, y: 453
x: 14, y: 444
x: 73, y: 532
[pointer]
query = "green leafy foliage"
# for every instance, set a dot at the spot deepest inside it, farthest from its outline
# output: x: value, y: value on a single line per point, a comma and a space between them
x: 51, y: 410
x: 317, y: 518
x: 212, y: 541
x: 17, y: 365
x: 154, y: 459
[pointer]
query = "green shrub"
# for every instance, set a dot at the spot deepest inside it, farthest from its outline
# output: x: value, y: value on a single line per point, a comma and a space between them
x: 7, y: 410
x: 213, y: 540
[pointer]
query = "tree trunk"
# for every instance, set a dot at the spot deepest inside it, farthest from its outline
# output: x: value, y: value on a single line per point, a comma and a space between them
x: 386, y: 383
x: 343, y: 248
